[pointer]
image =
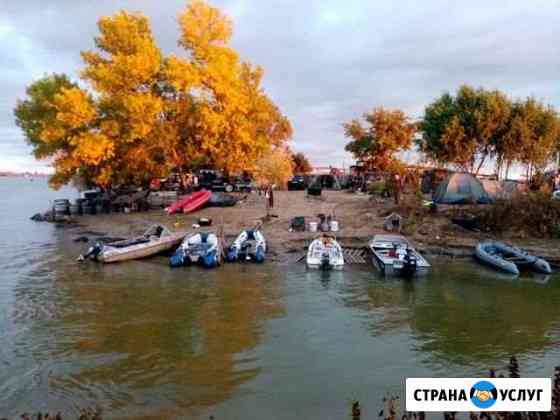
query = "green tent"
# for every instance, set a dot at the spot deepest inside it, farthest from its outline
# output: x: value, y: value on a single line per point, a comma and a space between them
x: 461, y: 188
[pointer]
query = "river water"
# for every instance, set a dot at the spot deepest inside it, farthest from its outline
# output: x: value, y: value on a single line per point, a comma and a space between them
x: 243, y: 342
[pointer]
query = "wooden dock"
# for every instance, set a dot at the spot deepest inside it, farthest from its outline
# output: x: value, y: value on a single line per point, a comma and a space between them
x: 352, y: 255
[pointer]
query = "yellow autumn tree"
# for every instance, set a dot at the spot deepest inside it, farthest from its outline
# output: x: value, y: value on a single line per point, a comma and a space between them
x: 275, y: 167
x: 149, y: 114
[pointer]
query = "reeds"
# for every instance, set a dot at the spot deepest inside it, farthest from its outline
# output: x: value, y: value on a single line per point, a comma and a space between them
x: 514, y: 372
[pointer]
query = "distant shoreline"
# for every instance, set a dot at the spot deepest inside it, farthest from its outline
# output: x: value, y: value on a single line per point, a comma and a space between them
x: 23, y: 174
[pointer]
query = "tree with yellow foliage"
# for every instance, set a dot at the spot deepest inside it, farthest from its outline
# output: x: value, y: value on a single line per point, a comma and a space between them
x: 149, y: 114
x: 387, y: 133
x: 274, y: 168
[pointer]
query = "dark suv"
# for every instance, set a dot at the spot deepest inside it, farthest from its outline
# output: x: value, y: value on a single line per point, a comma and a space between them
x: 213, y: 181
x: 297, y: 183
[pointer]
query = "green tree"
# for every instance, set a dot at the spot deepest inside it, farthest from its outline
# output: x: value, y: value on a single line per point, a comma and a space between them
x: 36, y: 112
x: 533, y: 135
x: 387, y: 132
x: 467, y: 129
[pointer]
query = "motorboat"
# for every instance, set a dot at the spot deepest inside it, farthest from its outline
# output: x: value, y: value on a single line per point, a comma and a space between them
x: 198, y: 248
x: 250, y: 245
x: 509, y: 258
x: 155, y: 240
x: 325, y: 253
x: 394, y: 255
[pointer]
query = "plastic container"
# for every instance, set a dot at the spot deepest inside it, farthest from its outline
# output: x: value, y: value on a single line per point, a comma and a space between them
x: 334, y: 226
x: 312, y: 226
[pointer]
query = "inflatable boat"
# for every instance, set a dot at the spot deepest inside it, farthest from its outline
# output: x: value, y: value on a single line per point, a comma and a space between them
x: 509, y: 258
x: 198, y: 248
x: 325, y: 253
x: 250, y: 245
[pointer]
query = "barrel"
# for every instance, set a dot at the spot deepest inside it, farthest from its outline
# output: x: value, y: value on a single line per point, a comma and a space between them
x: 99, y: 208
x: 334, y: 226
x: 88, y: 207
x: 312, y: 226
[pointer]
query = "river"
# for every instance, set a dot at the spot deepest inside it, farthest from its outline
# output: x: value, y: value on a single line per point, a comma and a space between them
x: 271, y: 341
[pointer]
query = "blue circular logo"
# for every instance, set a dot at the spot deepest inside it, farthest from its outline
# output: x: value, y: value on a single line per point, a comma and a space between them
x: 483, y: 394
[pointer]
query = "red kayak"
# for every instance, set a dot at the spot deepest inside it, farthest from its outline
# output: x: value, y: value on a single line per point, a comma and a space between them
x: 189, y: 203
x: 198, y: 200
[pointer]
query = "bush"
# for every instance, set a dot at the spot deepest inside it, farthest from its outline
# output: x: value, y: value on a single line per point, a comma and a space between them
x: 535, y: 213
x: 378, y: 188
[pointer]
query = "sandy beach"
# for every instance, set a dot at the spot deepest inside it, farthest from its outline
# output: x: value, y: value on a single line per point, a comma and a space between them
x: 359, y: 216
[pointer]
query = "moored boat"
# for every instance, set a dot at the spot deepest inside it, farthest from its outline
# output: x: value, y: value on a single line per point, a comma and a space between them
x: 250, y: 245
x: 189, y: 203
x: 394, y: 255
x: 155, y: 240
x: 325, y: 253
x: 509, y: 258
x: 198, y: 248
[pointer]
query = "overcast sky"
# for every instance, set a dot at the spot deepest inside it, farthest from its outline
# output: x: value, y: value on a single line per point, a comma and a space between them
x: 325, y: 61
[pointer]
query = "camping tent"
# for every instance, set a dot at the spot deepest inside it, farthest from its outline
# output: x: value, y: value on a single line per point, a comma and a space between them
x: 461, y: 188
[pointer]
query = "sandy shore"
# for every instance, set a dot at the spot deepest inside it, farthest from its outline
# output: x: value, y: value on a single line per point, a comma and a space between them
x: 359, y: 216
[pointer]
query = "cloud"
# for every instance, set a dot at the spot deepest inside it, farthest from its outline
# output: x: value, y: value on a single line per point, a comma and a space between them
x: 325, y: 61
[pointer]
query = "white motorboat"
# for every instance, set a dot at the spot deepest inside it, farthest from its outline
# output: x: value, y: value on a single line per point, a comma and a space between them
x: 156, y: 239
x: 394, y: 255
x: 325, y: 253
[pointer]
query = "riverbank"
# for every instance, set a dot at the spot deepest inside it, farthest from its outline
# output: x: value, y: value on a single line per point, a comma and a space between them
x: 359, y: 216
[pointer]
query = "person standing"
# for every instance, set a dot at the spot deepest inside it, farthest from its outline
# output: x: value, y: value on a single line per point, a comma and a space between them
x: 397, y: 181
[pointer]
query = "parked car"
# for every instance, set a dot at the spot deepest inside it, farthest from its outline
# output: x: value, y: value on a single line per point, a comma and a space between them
x: 243, y: 184
x: 214, y: 181
x: 297, y: 183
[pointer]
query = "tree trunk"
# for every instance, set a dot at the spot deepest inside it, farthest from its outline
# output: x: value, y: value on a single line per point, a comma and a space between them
x: 480, y: 164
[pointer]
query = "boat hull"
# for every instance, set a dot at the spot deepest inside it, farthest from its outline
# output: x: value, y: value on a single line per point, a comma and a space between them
x: 391, y: 270
x: 112, y: 255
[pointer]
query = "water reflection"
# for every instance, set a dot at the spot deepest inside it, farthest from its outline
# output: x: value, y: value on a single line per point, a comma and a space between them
x: 468, y: 316
x: 462, y: 314
x: 142, y: 333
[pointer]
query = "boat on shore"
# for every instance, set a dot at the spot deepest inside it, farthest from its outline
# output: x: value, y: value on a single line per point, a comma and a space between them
x: 250, y: 245
x: 189, y: 203
x: 198, y: 248
x: 510, y: 259
x: 325, y: 253
x: 155, y: 240
x: 394, y: 255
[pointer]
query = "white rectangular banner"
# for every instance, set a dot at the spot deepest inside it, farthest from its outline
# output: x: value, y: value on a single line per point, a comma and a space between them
x: 478, y: 394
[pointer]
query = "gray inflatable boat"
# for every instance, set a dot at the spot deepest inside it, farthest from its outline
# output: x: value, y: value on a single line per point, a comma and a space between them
x: 509, y: 258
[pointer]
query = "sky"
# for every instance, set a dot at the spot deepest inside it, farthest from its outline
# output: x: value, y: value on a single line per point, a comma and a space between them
x: 326, y: 62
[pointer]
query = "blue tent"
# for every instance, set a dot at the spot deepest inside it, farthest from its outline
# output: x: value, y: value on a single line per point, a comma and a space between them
x: 461, y: 188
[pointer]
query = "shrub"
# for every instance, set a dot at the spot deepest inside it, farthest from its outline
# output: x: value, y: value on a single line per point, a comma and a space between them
x: 535, y: 213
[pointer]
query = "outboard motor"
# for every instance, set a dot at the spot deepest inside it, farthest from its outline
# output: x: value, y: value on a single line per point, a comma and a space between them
x: 410, y: 264
x: 325, y: 262
x: 231, y: 255
x: 93, y: 252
